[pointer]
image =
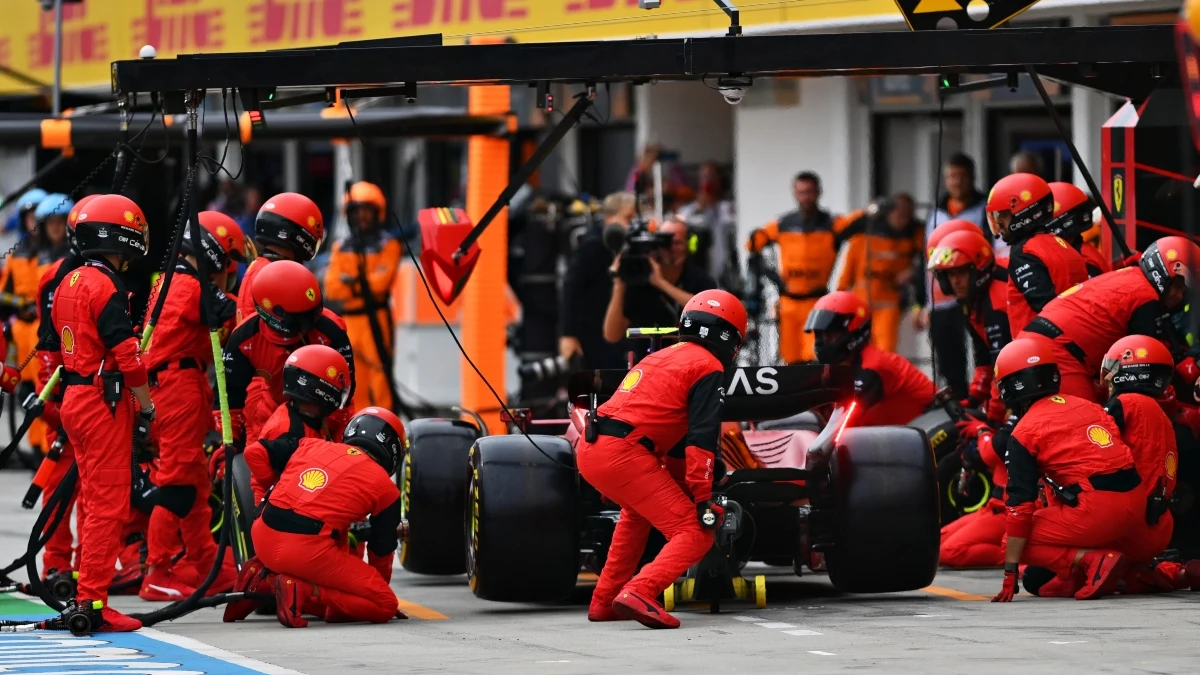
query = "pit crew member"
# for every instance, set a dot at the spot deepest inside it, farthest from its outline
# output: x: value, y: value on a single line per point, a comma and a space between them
x: 1072, y: 218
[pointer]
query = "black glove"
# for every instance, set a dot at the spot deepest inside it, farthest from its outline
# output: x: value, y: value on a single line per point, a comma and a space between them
x: 710, y: 514
x: 141, y: 434
x: 34, y: 405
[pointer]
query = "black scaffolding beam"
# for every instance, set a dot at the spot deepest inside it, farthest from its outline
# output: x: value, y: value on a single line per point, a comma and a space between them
x: 1124, y: 60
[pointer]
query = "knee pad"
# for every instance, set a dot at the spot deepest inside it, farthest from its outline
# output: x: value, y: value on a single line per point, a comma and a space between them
x: 1034, y: 578
x: 178, y: 499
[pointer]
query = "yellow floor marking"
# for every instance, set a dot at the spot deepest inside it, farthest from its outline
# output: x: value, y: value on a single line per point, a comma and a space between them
x: 413, y: 610
x: 951, y: 593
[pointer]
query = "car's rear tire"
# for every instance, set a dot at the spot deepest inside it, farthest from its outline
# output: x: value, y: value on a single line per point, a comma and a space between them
x: 886, y: 531
x: 522, y: 519
x: 243, y: 510
x: 433, y: 489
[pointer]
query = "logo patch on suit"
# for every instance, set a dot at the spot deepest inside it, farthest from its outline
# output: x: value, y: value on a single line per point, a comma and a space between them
x: 1058, y: 399
x: 310, y: 294
x: 1099, y: 435
x: 631, y: 380
x: 313, y: 479
x: 68, y: 340
x: 74, y: 278
x: 353, y: 451
x: 1172, y: 464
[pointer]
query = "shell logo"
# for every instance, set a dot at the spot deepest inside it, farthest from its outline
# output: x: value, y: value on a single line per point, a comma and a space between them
x: 331, y: 372
x: 353, y: 451
x: 1058, y: 399
x: 1099, y: 435
x: 128, y: 215
x: 310, y: 294
x: 862, y: 311
x: 631, y: 379
x: 74, y: 278
x: 1026, y: 195
x: 313, y: 479
x: 1172, y: 463
x: 266, y: 303
x: 1140, y: 352
x: 311, y: 221
x: 221, y: 231
x: 1172, y: 254
x: 68, y: 340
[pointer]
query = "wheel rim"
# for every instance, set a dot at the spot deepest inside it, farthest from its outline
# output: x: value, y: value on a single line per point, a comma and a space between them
x: 971, y: 505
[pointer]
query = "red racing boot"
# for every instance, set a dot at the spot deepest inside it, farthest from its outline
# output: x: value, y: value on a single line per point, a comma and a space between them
x: 290, y: 597
x: 598, y: 611
x: 112, y: 621
x: 1102, y: 571
x: 164, y: 585
x: 255, y: 578
x: 633, y: 605
x: 1062, y: 587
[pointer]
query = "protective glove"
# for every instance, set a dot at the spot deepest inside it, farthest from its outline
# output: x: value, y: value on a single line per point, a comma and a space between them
x: 238, y: 420
x: 1128, y: 261
x: 216, y: 461
x: 969, y: 430
x: 981, y: 387
x: 141, y: 434
x: 710, y: 514
x: 1009, y: 589
x: 9, y: 379
x: 700, y: 465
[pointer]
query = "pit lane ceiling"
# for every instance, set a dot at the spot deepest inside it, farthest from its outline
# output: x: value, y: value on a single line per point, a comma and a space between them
x: 97, y: 32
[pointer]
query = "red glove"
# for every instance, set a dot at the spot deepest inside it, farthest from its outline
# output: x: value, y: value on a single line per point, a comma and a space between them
x: 981, y: 386
x: 216, y: 464
x: 1189, y: 416
x: 700, y: 464
x: 1010, y: 585
x: 969, y: 430
x: 238, y: 419
x: 1128, y: 261
x: 9, y: 379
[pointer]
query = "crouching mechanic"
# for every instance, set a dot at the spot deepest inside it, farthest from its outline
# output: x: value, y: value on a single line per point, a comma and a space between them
x: 1076, y: 447
x: 1082, y: 323
x: 301, y: 533
x: 90, y: 312
x: 667, y: 407
x: 177, y: 361
x: 889, y: 389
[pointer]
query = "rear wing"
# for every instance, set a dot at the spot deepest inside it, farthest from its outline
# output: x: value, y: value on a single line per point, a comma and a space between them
x: 752, y: 394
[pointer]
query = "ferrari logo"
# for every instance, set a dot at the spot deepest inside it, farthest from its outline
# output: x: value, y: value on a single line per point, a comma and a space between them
x: 1061, y: 242
x: 1172, y: 463
x: 1058, y: 399
x: 631, y: 380
x: 353, y: 451
x: 313, y: 479
x: 1099, y: 435
x: 68, y: 340
x: 74, y: 278
x: 310, y: 294
x: 1118, y: 191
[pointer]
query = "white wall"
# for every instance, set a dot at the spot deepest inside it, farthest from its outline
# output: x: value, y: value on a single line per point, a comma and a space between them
x: 688, y: 117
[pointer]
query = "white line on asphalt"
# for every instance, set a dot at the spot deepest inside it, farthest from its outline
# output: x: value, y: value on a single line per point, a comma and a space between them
x: 822, y: 653
x: 216, y: 653
x: 775, y: 625
x: 802, y: 632
x: 926, y: 616
x: 749, y: 618
x: 551, y: 661
x: 1067, y: 642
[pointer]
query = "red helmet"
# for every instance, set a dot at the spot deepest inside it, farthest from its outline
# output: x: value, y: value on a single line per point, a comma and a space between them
x: 112, y: 224
x: 222, y: 240
x: 287, y: 297
x: 1187, y: 35
x: 947, y: 228
x: 317, y: 374
x: 1024, y: 202
x: 379, y: 433
x: 841, y: 324
x: 963, y: 249
x: 717, y: 320
x: 1026, y: 370
x: 74, y: 214
x: 1139, y: 363
x: 290, y: 221
x: 1072, y: 211
x: 1168, y: 258
x: 363, y: 193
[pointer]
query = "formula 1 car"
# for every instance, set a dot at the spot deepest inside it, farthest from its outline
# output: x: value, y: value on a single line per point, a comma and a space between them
x: 806, y: 490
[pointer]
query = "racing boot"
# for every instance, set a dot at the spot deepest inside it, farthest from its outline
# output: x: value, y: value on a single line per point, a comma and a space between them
x: 1043, y: 583
x: 108, y: 620
x: 633, y: 605
x: 291, y: 594
x: 255, y: 578
x: 162, y: 584
x: 1102, y: 571
x: 598, y: 611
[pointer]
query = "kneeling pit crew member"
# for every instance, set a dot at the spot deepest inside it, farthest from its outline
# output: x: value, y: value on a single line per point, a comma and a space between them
x: 1072, y: 217
x: 177, y: 361
x: 1040, y: 265
x: 1075, y: 447
x: 1083, y: 322
x: 301, y: 535
x: 888, y: 388
x: 290, y: 315
x: 668, y: 407
x: 90, y: 313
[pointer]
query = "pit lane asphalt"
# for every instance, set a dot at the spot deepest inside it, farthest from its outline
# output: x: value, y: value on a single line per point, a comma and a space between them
x: 807, y: 627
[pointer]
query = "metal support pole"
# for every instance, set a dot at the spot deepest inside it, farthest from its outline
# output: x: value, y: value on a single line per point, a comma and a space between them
x: 1087, y: 175
x: 56, y: 94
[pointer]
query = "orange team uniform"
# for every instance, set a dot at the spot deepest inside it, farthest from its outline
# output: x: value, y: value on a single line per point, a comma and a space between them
x: 807, y: 250
x: 20, y: 278
x: 343, y: 294
x: 873, y: 263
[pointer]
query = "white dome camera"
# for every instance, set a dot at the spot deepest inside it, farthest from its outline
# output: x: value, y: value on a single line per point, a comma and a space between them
x: 733, y: 89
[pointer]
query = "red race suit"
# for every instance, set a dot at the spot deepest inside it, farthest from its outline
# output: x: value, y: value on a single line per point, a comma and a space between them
x: 1151, y: 437
x: 302, y: 531
x: 91, y: 316
x: 1086, y: 320
x: 889, y: 389
x: 1074, y: 443
x: 1039, y: 268
x: 977, y: 539
x: 1095, y: 261
x: 255, y: 351
x: 669, y: 405
x: 267, y: 464
x: 990, y: 332
x: 177, y: 361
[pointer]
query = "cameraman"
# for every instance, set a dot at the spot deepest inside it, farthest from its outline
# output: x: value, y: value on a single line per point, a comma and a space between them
x: 587, y: 287
x: 656, y: 300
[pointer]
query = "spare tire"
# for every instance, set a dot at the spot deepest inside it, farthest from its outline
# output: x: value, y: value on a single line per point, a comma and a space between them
x: 243, y: 510
x: 433, y: 491
x: 523, y: 519
x: 886, y: 531
x: 940, y: 429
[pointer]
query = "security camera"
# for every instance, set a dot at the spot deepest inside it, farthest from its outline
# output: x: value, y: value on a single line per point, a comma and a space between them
x: 734, y: 89
x: 148, y: 52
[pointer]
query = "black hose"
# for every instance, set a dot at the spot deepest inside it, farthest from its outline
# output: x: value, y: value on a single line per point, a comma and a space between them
x: 60, y: 496
x: 56, y: 501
